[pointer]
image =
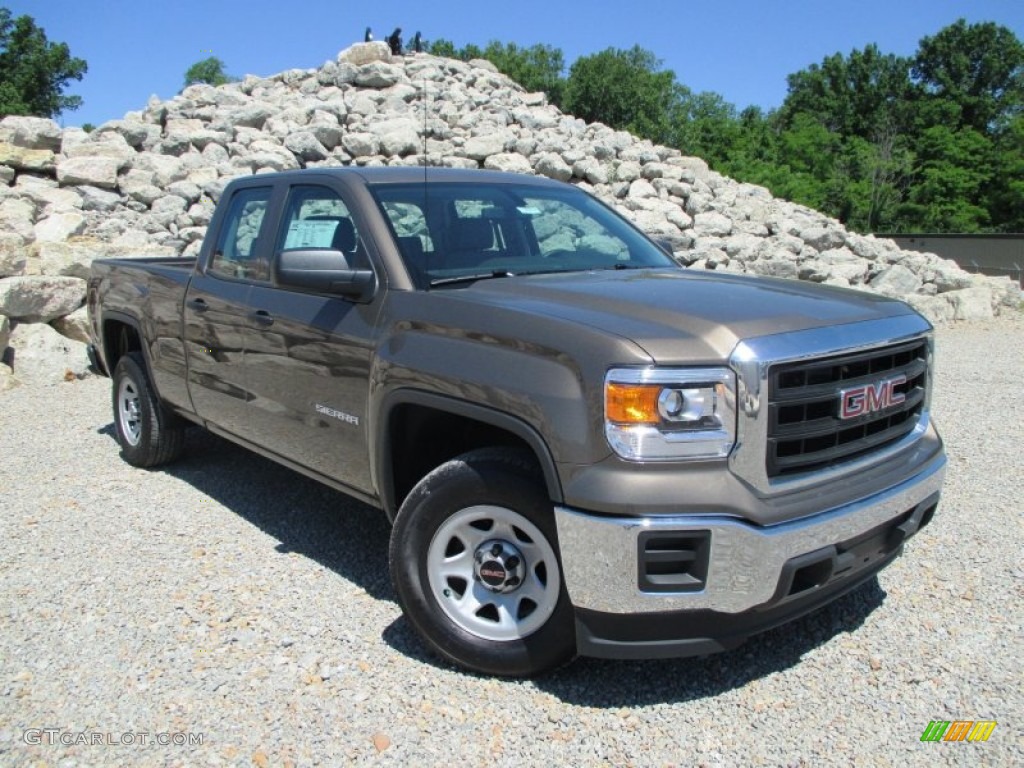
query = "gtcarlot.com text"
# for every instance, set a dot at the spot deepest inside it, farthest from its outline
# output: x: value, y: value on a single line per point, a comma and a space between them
x: 59, y: 736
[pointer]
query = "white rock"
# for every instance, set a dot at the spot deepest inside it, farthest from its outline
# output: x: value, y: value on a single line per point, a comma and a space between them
x: 896, y: 280
x: 39, y: 299
x: 106, y: 145
x: 43, y: 356
x: 98, y: 171
x: 165, y: 169
x: 30, y: 132
x: 364, y: 53
x: 58, y: 227
x: 937, y: 309
x: 378, y: 74
x: 5, y: 333
x: 17, y: 217
x: 712, y: 223
x: 971, y: 303
x: 822, y: 238
x: 552, y: 165
x: 361, y: 144
x: 24, y: 159
x: 482, y: 147
x: 12, y: 254
x: 74, y: 326
x: 508, y: 161
x: 398, y: 137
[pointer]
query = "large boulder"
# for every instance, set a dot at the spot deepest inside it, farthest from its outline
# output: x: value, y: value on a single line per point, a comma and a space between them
x: 43, y: 356
x: 12, y: 254
x: 58, y: 227
x: 74, y: 326
x: 24, y: 159
x: 95, y: 170
x: 365, y: 53
x: 40, y: 299
x: 31, y: 132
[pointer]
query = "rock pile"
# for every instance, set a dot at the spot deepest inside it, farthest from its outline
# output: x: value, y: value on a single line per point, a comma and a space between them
x: 146, y: 185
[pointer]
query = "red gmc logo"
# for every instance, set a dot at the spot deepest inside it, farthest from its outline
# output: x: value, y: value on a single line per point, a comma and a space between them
x: 859, y: 401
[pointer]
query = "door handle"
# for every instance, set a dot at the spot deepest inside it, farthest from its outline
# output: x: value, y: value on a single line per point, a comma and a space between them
x: 199, y: 305
x: 261, y: 317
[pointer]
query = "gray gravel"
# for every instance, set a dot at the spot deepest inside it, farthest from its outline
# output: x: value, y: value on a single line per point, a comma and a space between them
x: 233, y: 602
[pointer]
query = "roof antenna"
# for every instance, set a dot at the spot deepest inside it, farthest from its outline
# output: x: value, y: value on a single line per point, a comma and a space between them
x: 426, y: 202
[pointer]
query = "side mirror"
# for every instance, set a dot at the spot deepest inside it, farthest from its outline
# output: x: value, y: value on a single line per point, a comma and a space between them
x: 324, y: 271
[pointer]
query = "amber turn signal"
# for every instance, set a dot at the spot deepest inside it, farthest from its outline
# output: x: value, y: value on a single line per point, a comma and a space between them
x: 632, y: 403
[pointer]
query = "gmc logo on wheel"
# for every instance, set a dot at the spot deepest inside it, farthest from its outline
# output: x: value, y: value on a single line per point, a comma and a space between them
x: 859, y: 401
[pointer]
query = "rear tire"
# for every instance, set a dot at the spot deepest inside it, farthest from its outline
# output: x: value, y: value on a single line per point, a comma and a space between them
x: 149, y: 434
x: 474, y: 559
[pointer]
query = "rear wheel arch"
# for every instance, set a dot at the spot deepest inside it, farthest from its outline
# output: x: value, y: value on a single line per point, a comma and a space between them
x: 120, y: 335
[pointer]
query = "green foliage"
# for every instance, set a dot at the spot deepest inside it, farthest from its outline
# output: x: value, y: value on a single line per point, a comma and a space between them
x: 934, y: 142
x: 33, y: 71
x: 852, y: 96
x: 977, y: 67
x: 537, y: 68
x: 625, y: 90
x: 88, y: 127
x: 210, y: 71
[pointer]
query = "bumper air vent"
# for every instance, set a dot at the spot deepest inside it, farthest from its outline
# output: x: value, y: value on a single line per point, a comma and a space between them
x: 673, y: 561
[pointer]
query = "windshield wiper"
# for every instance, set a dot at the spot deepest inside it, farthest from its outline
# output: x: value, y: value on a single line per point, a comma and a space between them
x: 471, y: 278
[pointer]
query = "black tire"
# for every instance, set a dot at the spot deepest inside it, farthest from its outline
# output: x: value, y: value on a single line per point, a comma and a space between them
x: 149, y: 435
x: 441, y: 525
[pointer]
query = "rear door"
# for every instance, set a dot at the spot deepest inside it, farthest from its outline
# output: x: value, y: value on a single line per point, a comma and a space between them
x: 308, y: 355
x: 216, y: 312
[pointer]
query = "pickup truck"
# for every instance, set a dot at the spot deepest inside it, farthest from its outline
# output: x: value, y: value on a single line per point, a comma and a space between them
x: 582, y: 447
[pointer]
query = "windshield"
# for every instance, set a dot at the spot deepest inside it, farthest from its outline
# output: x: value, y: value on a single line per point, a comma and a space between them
x: 446, y: 231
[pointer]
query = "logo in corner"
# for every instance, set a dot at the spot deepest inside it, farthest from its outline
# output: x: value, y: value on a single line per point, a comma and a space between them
x: 868, y: 398
x: 958, y: 730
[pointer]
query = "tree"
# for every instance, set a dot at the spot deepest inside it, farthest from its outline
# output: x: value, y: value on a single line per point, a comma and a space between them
x: 625, y: 90
x: 977, y: 67
x: 33, y: 71
x: 952, y: 171
x: 209, y: 70
x: 858, y: 95
x: 537, y: 68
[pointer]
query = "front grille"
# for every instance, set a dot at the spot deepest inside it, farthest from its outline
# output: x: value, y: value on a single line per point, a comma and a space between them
x: 806, y: 431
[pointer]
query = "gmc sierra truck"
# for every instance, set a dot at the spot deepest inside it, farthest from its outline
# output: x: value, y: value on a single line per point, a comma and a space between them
x: 582, y: 447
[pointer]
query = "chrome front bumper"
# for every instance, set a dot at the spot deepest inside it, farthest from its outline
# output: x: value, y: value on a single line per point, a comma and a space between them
x: 600, y: 555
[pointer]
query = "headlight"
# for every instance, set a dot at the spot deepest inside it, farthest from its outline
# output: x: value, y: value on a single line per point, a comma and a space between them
x: 670, y: 413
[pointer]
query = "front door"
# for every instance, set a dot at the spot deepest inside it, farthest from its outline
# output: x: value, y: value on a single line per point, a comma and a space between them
x: 308, y: 356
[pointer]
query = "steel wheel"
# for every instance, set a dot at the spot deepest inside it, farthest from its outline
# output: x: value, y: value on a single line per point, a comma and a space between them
x: 148, y: 433
x: 129, y: 411
x: 474, y: 559
x: 493, y: 573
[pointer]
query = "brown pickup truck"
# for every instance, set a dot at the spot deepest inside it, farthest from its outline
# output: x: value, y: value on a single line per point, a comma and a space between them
x: 583, y: 447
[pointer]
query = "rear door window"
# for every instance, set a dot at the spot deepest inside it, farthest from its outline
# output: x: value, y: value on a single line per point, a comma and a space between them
x: 239, y: 254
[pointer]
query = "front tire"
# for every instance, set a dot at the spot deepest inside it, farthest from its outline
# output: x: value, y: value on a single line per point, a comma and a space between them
x: 474, y: 559
x: 147, y: 432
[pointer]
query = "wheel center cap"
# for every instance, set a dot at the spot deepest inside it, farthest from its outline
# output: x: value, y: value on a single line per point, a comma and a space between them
x: 498, y: 566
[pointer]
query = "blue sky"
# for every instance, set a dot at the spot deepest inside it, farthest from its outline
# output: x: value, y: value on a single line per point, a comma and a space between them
x: 741, y: 49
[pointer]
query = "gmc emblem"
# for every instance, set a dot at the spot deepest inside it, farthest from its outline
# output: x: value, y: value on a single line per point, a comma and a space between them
x: 860, y: 401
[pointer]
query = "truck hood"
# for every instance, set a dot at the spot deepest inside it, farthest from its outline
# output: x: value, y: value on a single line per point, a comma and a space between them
x: 682, y: 316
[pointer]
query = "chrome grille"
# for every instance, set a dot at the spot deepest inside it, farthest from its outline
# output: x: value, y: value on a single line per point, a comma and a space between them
x: 805, y: 429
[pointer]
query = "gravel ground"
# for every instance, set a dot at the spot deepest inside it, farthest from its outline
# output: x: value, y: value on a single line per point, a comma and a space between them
x: 232, y: 603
